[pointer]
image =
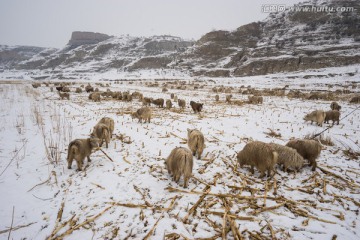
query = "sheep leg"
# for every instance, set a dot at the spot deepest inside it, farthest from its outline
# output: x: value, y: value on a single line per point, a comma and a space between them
x: 252, y: 170
x: 79, y: 164
x: 186, y: 179
x: 313, y: 164
x: 262, y: 173
x: 88, y: 158
x: 70, y: 160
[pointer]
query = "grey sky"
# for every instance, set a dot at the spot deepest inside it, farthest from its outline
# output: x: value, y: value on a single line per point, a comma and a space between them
x: 49, y: 23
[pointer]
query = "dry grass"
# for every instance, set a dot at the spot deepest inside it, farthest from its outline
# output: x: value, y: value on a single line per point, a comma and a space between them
x: 324, y: 140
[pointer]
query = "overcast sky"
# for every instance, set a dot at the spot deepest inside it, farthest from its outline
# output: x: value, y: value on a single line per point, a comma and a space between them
x: 49, y: 23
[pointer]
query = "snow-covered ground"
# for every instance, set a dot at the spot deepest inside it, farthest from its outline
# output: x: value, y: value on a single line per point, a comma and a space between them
x: 130, y: 195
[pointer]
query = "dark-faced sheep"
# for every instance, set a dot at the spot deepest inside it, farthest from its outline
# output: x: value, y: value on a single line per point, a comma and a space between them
x: 102, y: 132
x: 333, y: 115
x: 180, y: 163
x: 59, y: 88
x: 288, y: 157
x: 335, y: 106
x: 89, y: 88
x: 109, y: 122
x: 79, y: 149
x: 158, y: 102
x: 168, y: 104
x: 260, y: 155
x: 143, y: 113
x: 196, y: 142
x: 64, y: 95
x: 308, y: 149
x: 317, y: 116
x: 181, y: 103
x: 196, y: 107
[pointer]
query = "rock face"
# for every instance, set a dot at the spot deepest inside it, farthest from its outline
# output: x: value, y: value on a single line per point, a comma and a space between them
x: 293, y: 40
x: 82, y: 38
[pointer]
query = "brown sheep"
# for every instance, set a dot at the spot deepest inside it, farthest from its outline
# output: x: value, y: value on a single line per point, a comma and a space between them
x: 181, y: 103
x: 228, y: 98
x: 147, y: 101
x: 65, y: 89
x: 89, y: 88
x: 288, y: 157
x: 168, y: 104
x: 79, y: 149
x: 178, y: 163
x: 158, y: 102
x: 217, y: 98
x: 196, y: 142
x: 95, y: 96
x: 78, y: 90
x: 64, y: 95
x: 196, y: 107
x: 355, y: 99
x: 109, y: 122
x: 308, y: 149
x: 59, y: 88
x: 255, y: 99
x: 258, y: 154
x: 335, y: 106
x: 142, y: 113
x: 333, y: 115
x: 317, y: 116
x: 102, y: 132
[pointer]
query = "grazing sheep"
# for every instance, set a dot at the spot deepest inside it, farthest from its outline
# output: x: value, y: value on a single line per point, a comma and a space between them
x: 335, y: 106
x: 178, y: 163
x: 79, y: 149
x: 89, y: 88
x: 147, y: 101
x: 168, y: 104
x: 308, y: 149
x: 164, y: 89
x: 255, y: 99
x: 288, y: 157
x: 142, y: 113
x: 196, y: 107
x: 102, y: 132
x: 59, y: 88
x: 333, y: 115
x: 175, y: 98
x: 355, y: 99
x: 36, y: 85
x: 95, y: 96
x: 65, y: 89
x: 78, y: 90
x: 64, y: 95
x: 317, y: 116
x: 258, y: 154
x: 196, y: 142
x: 109, y: 122
x: 217, y: 98
x: 181, y: 103
x: 158, y: 102
x: 228, y: 98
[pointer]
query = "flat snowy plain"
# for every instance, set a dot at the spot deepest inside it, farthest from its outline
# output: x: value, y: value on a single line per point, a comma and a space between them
x: 132, y: 196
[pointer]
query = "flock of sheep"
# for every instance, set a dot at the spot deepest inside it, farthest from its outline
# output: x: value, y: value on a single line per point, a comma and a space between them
x: 263, y: 156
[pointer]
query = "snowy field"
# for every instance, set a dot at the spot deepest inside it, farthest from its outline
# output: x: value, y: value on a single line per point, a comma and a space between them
x: 128, y: 194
